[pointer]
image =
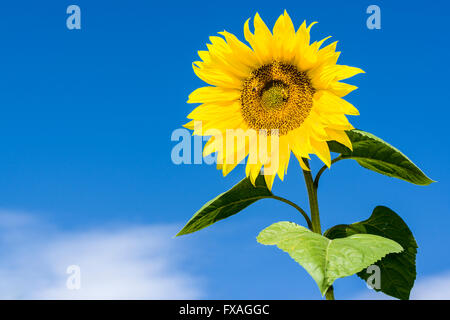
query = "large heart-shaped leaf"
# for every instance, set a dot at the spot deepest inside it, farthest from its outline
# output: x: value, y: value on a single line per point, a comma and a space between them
x: 327, y: 260
x: 377, y: 155
x: 398, y: 270
x: 227, y: 204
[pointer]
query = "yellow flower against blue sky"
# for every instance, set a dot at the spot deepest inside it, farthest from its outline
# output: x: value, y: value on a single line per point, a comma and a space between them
x: 283, y: 82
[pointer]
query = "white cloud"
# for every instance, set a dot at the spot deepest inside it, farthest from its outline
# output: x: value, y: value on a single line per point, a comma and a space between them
x: 434, y: 287
x: 141, y: 262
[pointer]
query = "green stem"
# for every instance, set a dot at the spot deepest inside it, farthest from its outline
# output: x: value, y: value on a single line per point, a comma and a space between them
x: 303, y: 213
x: 319, y: 173
x: 329, y: 295
x: 315, y: 217
x: 313, y: 203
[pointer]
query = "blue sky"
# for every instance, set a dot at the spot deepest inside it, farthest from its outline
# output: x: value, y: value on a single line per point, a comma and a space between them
x: 86, y: 120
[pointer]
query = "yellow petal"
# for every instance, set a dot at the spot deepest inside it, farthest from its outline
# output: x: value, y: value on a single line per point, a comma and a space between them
x: 261, y: 40
x: 241, y: 51
x: 269, y: 180
x: 322, y: 151
x: 253, y: 171
x: 284, y: 38
x: 323, y: 76
x: 213, y: 94
x: 326, y: 101
x: 340, y: 136
x: 303, y: 164
x: 344, y: 72
x: 341, y: 89
x: 189, y: 125
x: 283, y: 156
x: 216, y: 78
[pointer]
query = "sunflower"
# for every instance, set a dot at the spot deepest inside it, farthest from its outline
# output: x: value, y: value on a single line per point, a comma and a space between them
x: 281, y: 86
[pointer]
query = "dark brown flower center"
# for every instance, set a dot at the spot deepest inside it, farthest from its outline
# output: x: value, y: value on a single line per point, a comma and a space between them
x: 276, y: 96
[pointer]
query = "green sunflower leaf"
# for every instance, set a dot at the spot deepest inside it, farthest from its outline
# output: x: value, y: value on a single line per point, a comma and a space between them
x: 227, y: 204
x: 398, y: 270
x: 377, y: 155
x: 324, y: 259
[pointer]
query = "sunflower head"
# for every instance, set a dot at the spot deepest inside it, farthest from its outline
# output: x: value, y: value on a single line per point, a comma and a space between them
x: 281, y: 92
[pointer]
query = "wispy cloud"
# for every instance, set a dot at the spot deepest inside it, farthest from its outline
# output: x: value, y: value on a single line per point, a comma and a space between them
x: 436, y: 287
x: 135, y: 262
x: 433, y: 287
